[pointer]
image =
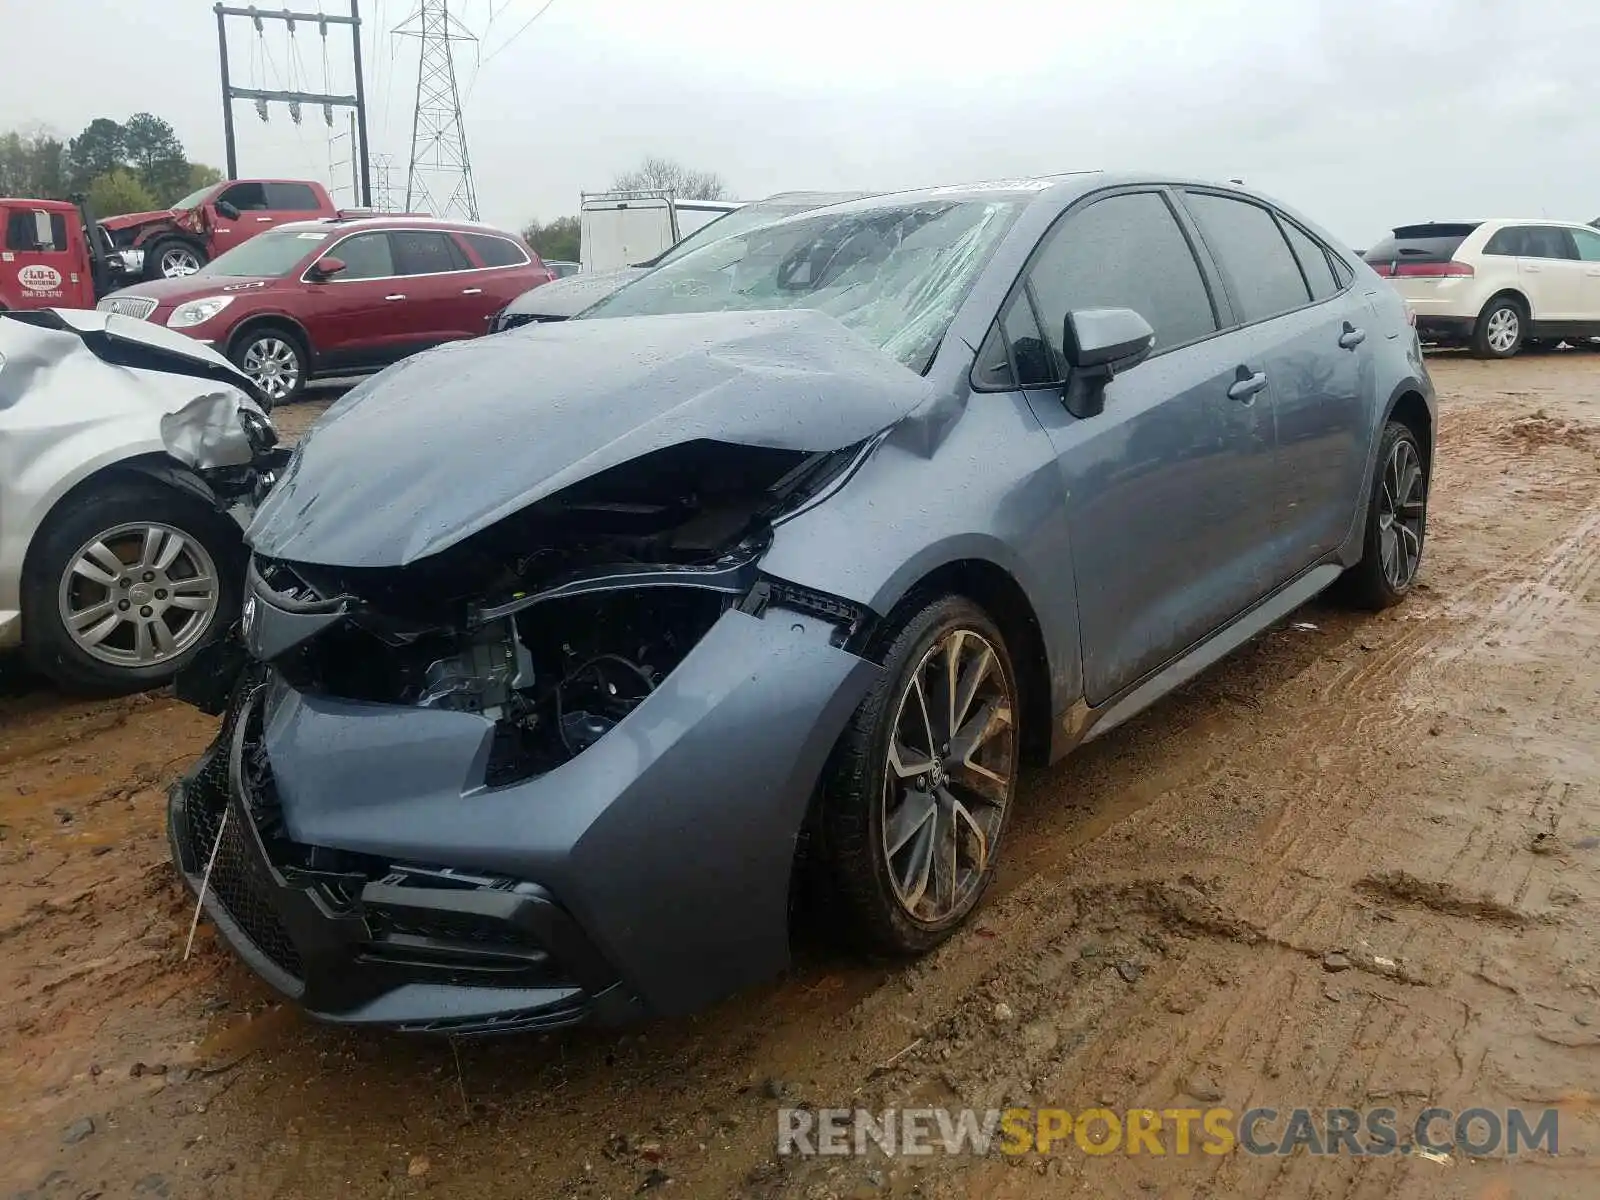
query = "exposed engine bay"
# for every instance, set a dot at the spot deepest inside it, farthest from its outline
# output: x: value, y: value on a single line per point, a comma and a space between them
x: 558, y: 621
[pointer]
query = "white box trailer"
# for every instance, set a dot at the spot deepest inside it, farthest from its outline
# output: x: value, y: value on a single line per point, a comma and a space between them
x: 624, y: 229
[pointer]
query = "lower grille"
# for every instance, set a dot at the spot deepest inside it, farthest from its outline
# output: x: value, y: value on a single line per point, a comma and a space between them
x: 238, y: 886
x: 238, y: 882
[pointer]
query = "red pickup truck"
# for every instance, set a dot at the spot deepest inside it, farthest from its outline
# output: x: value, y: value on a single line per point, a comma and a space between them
x: 182, y: 239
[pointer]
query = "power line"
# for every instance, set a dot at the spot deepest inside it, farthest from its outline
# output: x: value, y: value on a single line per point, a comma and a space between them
x: 488, y: 58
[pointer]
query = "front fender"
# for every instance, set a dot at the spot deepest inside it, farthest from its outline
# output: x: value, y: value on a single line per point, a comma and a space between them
x: 987, y: 487
x: 39, y: 471
x: 144, y: 235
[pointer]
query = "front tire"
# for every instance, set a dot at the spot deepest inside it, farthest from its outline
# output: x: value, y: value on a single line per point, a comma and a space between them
x: 173, y: 258
x: 1397, y: 524
x: 275, y: 359
x: 125, y: 583
x: 1501, y: 328
x: 919, y: 788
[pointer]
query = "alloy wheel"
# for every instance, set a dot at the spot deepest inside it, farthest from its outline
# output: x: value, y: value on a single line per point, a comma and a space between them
x: 1502, y: 330
x: 951, y: 765
x: 1401, y: 509
x: 274, y: 364
x: 178, y: 261
x: 139, y: 594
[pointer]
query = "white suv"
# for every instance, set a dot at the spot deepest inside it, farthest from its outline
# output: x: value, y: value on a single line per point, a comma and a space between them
x: 1496, y: 285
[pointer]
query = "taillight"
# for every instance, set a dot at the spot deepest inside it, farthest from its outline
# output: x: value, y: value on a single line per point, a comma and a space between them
x: 1434, y: 270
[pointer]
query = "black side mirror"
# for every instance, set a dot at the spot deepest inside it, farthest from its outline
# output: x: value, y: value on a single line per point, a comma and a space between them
x: 228, y: 209
x: 1101, y: 343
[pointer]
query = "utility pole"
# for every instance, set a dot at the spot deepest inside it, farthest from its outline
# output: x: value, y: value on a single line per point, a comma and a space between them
x: 357, y: 101
x: 440, y: 174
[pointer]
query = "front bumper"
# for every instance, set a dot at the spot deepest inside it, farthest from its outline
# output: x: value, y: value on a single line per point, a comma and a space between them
x: 415, y: 949
x: 648, y: 875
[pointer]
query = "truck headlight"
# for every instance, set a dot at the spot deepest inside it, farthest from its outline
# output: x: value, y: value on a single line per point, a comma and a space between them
x: 197, y: 312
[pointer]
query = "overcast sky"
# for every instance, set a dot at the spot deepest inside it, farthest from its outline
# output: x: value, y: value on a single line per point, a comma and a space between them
x: 1361, y: 113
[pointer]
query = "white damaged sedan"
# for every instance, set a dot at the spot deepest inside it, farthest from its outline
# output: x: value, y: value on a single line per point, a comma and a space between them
x: 130, y: 459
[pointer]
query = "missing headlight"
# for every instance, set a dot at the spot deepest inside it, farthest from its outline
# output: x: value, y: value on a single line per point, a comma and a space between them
x: 590, y: 661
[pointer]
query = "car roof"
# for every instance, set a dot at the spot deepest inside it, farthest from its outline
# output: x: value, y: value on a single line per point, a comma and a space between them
x: 1055, y: 188
x: 390, y: 221
x: 1497, y: 222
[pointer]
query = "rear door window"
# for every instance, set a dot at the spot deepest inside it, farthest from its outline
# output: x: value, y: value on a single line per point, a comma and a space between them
x: 426, y: 252
x: 1124, y: 251
x: 291, y: 197
x: 1546, y: 241
x: 1251, y: 250
x: 1588, y: 244
x: 1313, y: 261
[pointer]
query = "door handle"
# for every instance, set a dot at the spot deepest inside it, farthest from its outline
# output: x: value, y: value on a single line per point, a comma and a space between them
x: 1247, y: 385
x: 472, y: 291
x: 1532, y: 268
x: 265, y: 220
x: 1351, y: 337
x: 396, y: 296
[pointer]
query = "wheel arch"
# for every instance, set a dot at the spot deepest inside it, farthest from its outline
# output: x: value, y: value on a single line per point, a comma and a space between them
x: 1512, y: 293
x: 1408, y: 404
x: 272, y: 320
x: 150, y: 236
x: 997, y: 592
x: 1409, y: 408
x: 155, y: 467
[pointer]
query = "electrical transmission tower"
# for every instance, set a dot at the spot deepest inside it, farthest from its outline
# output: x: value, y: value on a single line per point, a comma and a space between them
x: 440, y: 175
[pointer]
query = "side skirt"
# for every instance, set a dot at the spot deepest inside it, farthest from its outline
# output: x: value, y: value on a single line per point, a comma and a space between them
x: 1083, y: 723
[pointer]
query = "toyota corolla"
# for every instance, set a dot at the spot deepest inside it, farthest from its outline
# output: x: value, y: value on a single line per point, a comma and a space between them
x: 567, y: 651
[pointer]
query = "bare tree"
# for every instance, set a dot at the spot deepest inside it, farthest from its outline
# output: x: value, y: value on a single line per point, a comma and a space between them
x: 665, y: 175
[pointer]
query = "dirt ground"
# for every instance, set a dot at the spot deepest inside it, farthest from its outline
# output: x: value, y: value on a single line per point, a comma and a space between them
x: 1416, y: 794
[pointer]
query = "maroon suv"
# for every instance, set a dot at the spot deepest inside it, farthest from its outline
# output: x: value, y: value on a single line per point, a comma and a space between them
x: 340, y: 297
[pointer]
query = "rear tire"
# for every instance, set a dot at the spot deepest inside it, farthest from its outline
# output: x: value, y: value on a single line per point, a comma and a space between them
x: 909, y: 839
x: 1501, y: 328
x: 82, y: 620
x: 1397, y: 520
x: 173, y: 258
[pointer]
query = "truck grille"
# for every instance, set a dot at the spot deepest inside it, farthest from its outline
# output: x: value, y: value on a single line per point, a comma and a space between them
x: 137, y: 307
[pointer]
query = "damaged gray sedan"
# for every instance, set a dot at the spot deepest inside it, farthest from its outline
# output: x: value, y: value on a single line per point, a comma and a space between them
x: 567, y: 652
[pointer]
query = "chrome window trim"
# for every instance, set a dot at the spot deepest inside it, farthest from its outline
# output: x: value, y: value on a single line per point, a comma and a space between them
x: 305, y: 276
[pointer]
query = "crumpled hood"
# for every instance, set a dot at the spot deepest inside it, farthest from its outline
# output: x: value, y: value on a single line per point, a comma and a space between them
x: 447, y: 443
x: 568, y: 297
x: 65, y: 370
x: 128, y: 220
